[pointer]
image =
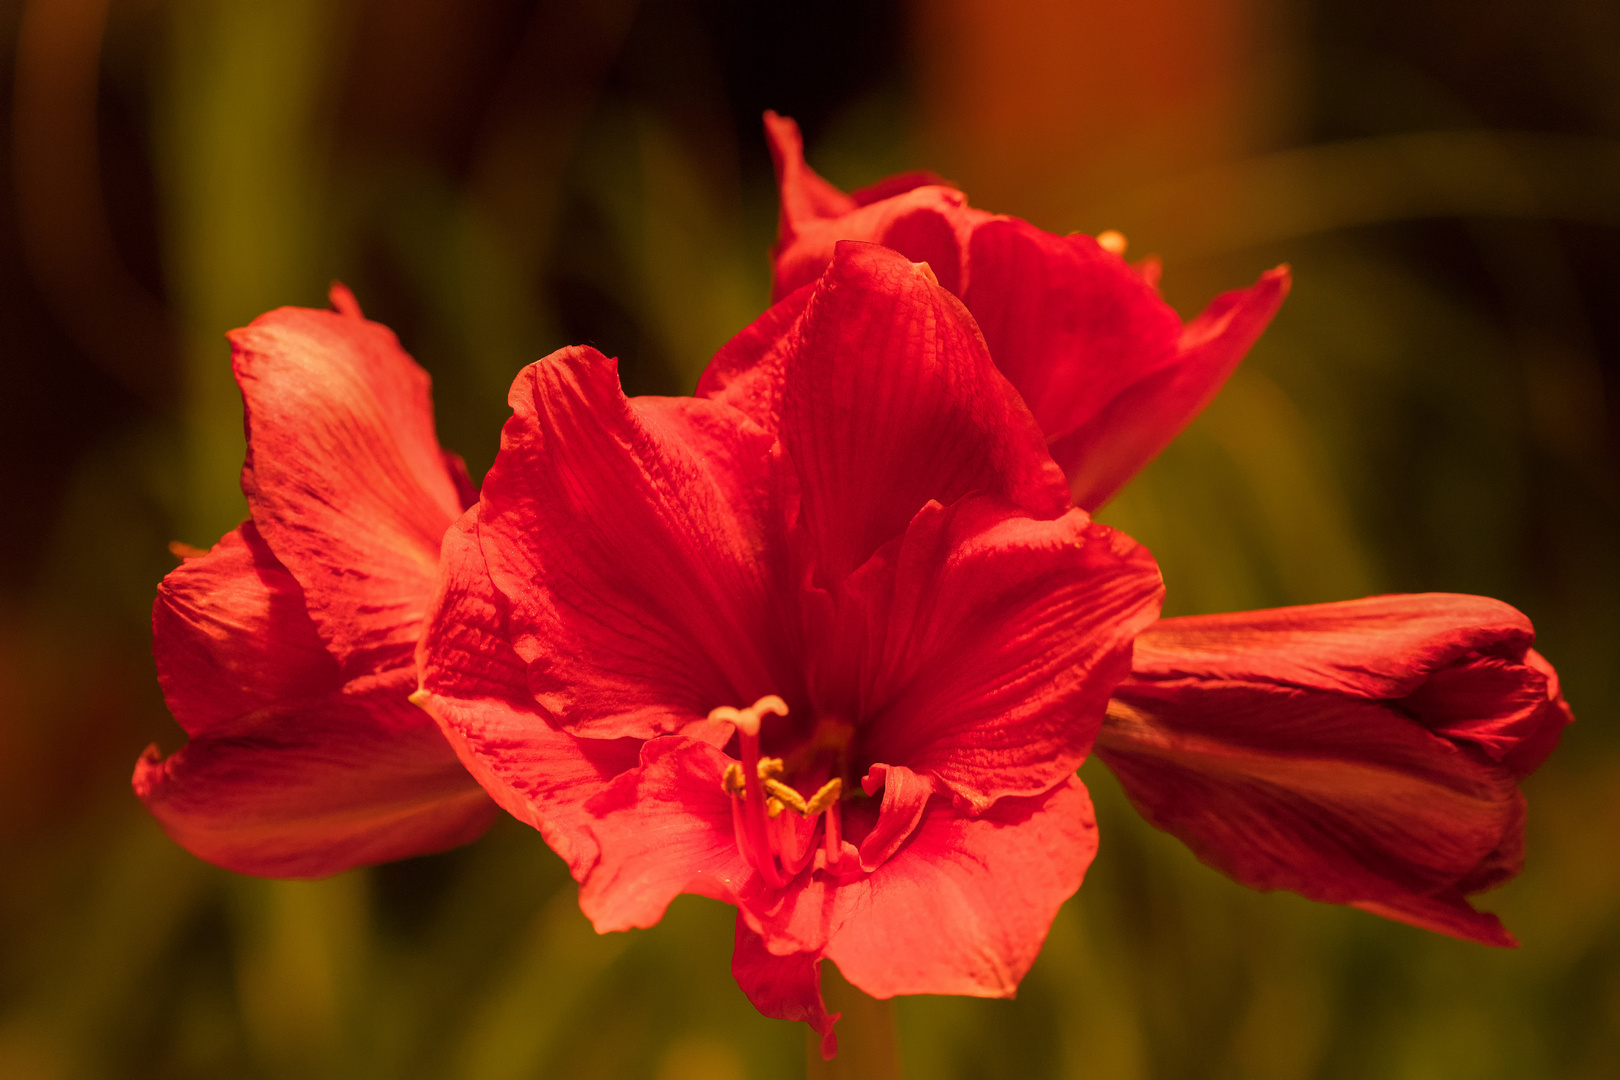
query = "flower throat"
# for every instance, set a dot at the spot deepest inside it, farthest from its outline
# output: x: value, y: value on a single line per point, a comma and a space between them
x: 780, y: 844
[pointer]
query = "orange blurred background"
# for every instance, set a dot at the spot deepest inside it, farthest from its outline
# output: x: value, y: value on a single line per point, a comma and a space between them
x: 1433, y: 410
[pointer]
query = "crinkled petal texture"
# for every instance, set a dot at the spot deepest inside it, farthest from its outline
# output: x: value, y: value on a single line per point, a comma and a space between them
x: 344, y: 475
x: 286, y: 652
x: 1362, y: 753
x: 1106, y: 366
x: 859, y: 515
x: 477, y: 688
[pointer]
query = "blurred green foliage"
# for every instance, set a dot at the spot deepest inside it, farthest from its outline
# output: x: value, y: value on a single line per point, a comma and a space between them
x: 496, y: 180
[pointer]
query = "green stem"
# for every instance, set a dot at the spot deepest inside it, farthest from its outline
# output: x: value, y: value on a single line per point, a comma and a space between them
x: 868, y: 1048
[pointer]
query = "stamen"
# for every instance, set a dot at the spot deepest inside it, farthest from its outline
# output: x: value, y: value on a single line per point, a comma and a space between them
x: 834, y: 834
x: 1112, y: 240
x: 755, y: 814
x: 787, y: 795
x: 780, y: 849
x: 824, y: 797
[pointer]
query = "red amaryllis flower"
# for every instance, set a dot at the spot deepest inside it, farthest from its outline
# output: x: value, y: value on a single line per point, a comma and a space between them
x: 826, y: 642
x: 1364, y: 752
x: 288, y: 651
x: 1106, y: 365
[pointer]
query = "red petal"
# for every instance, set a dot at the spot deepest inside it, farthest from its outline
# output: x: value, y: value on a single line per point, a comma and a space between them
x: 984, y: 645
x: 1461, y: 665
x: 664, y: 828
x: 914, y: 213
x: 926, y: 224
x: 1375, y: 647
x: 344, y: 475
x: 1069, y: 324
x: 783, y: 987
x: 476, y: 687
x: 311, y: 787
x: 231, y: 636
x: 1446, y: 913
x: 1138, y: 422
x: 1105, y: 365
x: 905, y: 797
x: 638, y: 544
x: 1333, y: 797
x: 964, y: 907
x: 805, y: 197
x: 1493, y: 703
x: 1551, y: 719
x: 748, y: 371
x: 898, y: 184
x: 891, y: 400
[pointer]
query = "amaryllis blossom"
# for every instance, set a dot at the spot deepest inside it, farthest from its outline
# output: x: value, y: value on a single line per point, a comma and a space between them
x: 1364, y: 753
x: 1105, y: 365
x: 826, y: 642
x: 287, y: 652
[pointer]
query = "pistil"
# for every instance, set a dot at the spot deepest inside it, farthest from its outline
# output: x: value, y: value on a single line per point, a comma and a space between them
x: 759, y: 799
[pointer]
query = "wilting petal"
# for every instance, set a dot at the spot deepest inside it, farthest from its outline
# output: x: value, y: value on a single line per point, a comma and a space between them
x: 1336, y: 798
x: 1375, y: 647
x: 1534, y: 746
x: 664, y: 828
x: 231, y: 636
x: 1509, y: 709
x: 964, y: 640
x: 891, y: 400
x: 1362, y: 752
x: 964, y: 907
x: 476, y: 687
x: 308, y: 788
x: 344, y: 475
x: 783, y: 987
x: 1142, y: 419
x: 638, y: 544
x: 1460, y: 665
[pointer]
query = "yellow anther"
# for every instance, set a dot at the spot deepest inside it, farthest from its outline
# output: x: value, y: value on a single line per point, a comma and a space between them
x: 773, y: 807
x: 785, y: 794
x: 770, y: 767
x: 824, y: 797
x: 923, y: 270
x: 733, y: 780
x: 747, y: 720
x: 1111, y: 240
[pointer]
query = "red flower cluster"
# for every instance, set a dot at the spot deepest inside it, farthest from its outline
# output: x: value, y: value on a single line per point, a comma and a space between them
x: 826, y: 641
x: 286, y: 652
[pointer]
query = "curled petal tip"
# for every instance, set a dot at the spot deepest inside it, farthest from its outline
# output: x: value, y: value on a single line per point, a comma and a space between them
x: 341, y: 297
